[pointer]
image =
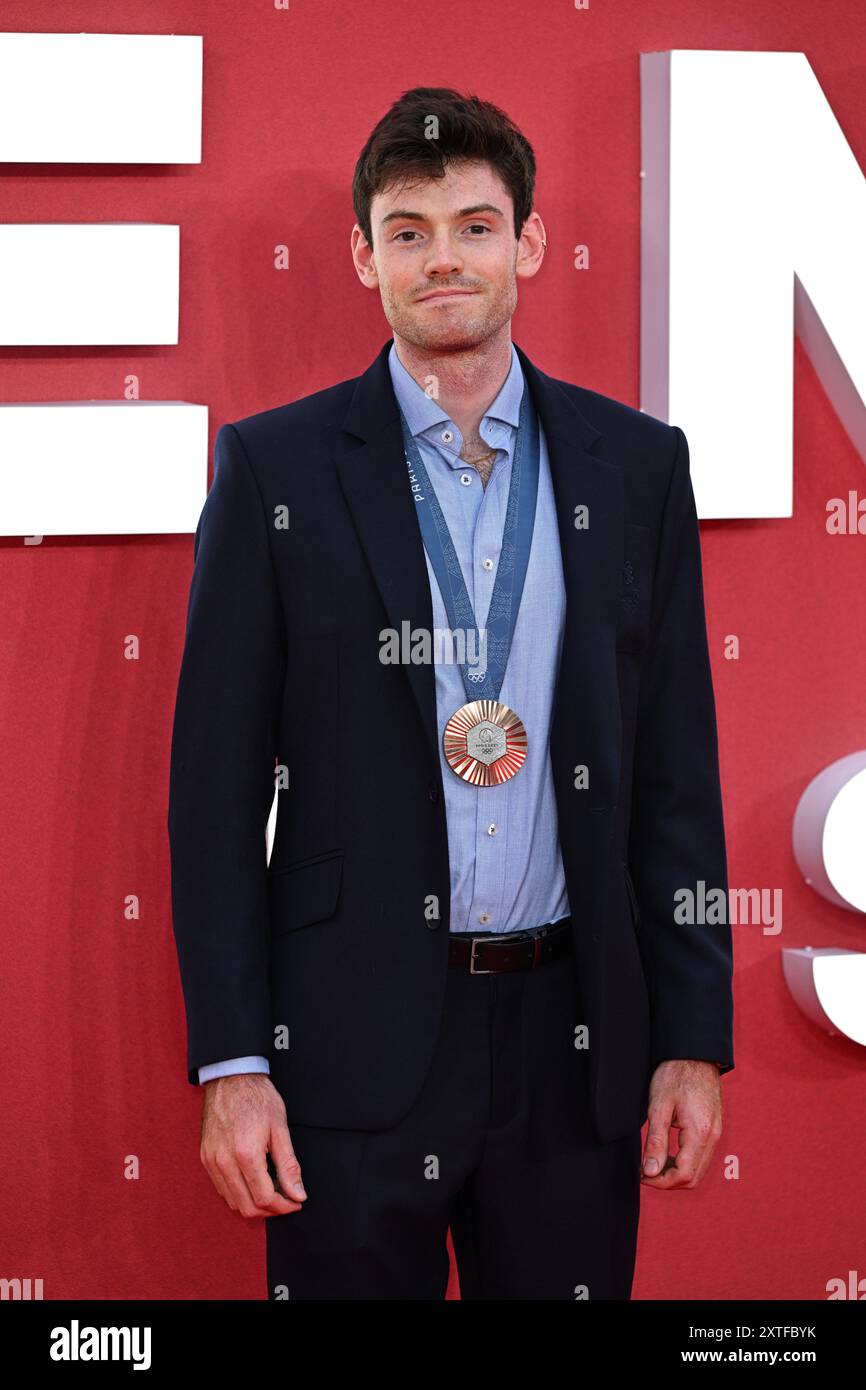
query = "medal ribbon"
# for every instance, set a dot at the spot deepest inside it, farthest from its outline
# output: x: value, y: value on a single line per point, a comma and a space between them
x: 513, y: 557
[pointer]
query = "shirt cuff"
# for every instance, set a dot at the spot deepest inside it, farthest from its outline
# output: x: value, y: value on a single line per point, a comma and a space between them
x: 235, y: 1066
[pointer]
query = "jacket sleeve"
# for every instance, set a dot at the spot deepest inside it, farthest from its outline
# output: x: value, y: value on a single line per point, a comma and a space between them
x: 221, y: 782
x: 677, y: 835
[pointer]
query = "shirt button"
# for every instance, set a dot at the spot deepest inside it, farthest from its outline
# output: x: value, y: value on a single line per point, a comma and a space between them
x: 466, y: 479
x: 488, y: 564
x: 492, y: 829
x: 484, y: 918
x: 447, y: 436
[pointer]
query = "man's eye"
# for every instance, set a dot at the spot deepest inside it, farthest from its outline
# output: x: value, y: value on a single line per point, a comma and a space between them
x: 479, y: 226
x: 409, y: 231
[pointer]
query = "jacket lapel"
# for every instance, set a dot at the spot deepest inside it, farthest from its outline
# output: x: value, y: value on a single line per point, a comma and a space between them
x: 585, y: 726
x: 375, y: 484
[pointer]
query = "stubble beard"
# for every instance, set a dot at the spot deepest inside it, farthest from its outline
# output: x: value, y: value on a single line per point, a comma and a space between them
x: 433, y: 331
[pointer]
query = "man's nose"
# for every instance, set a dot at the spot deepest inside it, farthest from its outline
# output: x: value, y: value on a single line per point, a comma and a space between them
x: 443, y: 256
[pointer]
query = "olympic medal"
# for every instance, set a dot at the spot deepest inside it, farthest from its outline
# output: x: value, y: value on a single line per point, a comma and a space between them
x: 485, y: 743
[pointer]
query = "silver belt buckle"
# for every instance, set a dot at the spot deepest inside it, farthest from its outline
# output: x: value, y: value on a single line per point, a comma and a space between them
x: 475, y: 940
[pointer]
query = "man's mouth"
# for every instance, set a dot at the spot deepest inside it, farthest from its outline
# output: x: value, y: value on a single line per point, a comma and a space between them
x: 445, y: 294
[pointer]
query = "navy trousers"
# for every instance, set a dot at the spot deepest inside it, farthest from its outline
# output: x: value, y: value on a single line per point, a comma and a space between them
x: 498, y: 1147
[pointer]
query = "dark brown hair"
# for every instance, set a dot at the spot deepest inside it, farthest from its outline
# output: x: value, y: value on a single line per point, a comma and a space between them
x: 400, y: 148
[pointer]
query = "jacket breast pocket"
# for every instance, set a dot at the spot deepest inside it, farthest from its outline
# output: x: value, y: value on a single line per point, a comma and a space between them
x: 633, y: 604
x: 304, y: 893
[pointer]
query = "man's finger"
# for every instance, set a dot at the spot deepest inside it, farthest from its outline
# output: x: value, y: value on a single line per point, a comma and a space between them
x: 286, y: 1162
x: 658, y: 1136
x: 692, y: 1143
x: 263, y: 1194
x: 236, y: 1183
x: 706, y: 1156
x: 218, y: 1181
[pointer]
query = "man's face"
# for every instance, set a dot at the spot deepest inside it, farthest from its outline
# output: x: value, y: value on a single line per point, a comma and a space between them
x: 455, y: 233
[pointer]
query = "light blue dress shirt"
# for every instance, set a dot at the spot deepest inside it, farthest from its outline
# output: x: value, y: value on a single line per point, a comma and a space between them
x: 503, y: 842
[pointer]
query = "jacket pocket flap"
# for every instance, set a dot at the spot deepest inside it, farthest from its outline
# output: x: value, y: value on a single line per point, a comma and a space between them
x: 305, y: 894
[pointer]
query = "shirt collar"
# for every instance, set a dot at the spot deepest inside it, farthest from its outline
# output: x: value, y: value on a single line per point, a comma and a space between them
x: 422, y: 412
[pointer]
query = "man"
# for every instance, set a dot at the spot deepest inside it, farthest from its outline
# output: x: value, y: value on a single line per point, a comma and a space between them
x: 465, y: 976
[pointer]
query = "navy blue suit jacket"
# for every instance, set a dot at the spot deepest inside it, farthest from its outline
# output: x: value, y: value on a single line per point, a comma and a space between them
x: 332, y: 941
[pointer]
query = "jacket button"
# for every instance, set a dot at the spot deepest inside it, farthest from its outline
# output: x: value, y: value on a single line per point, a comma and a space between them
x: 432, y: 792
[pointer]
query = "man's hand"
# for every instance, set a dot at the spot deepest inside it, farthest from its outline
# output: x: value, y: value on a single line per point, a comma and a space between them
x: 687, y: 1096
x: 243, y: 1118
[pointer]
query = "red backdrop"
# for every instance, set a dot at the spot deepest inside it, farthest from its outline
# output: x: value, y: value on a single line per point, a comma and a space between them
x: 92, y: 1025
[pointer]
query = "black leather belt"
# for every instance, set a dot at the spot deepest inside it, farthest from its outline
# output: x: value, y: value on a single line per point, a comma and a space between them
x: 488, y: 955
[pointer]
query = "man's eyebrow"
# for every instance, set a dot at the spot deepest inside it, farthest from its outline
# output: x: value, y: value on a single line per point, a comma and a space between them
x: 419, y: 216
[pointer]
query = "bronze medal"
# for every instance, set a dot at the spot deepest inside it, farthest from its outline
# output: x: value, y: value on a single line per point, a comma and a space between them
x: 485, y: 743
